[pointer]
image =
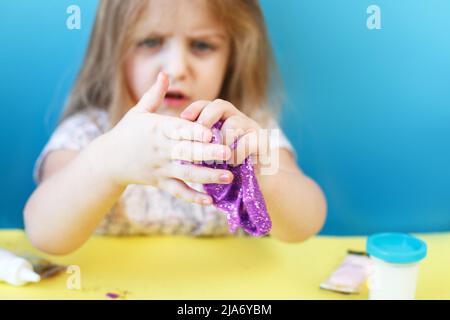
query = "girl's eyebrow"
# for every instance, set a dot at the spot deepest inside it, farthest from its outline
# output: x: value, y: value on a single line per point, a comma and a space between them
x: 208, y: 34
x: 193, y: 34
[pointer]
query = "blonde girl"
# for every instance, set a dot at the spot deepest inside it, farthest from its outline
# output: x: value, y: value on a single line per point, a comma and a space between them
x: 111, y: 166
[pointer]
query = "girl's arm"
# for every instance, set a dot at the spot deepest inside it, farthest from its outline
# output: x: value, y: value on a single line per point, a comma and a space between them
x: 79, y: 189
x: 75, y: 194
x: 295, y: 202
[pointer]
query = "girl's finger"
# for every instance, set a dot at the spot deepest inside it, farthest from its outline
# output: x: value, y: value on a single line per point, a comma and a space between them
x: 192, y: 111
x: 212, y: 112
x: 247, y: 145
x: 235, y: 127
x: 197, y: 174
x: 196, y: 151
x: 181, y: 190
x: 154, y: 97
x: 215, y: 111
x: 180, y: 129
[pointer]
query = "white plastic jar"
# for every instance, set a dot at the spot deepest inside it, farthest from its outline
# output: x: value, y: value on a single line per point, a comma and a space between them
x: 395, y: 261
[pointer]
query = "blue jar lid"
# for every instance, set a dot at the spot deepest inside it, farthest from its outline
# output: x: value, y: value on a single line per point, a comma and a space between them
x: 396, y: 247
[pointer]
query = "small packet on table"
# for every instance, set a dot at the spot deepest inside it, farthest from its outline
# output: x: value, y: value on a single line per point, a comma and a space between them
x: 350, y: 275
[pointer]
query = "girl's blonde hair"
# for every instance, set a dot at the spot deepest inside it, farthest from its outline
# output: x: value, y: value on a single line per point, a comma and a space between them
x: 251, y: 83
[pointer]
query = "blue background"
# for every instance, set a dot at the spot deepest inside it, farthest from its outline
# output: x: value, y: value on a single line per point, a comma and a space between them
x: 368, y: 110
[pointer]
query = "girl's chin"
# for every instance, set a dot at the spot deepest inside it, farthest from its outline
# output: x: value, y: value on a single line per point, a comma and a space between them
x: 170, y: 111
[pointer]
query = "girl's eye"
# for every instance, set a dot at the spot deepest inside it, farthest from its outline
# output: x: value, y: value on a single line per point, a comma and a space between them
x: 202, y: 46
x: 151, y: 42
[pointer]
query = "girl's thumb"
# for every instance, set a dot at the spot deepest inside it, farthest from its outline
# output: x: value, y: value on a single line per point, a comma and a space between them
x: 154, y: 97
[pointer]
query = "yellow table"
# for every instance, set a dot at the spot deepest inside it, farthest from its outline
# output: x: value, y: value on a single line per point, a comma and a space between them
x: 213, y: 268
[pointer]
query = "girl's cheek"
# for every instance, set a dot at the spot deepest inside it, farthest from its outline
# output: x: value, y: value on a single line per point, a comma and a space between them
x: 140, y: 75
x: 213, y: 76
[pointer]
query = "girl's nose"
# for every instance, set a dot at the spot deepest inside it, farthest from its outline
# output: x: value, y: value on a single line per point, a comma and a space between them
x: 176, y: 64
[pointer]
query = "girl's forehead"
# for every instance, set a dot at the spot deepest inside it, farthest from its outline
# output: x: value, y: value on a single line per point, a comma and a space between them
x: 175, y: 16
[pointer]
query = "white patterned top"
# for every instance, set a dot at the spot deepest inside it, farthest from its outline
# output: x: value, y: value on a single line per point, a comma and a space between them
x: 143, y: 210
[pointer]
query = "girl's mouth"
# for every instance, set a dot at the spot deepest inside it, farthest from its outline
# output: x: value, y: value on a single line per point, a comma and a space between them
x: 175, y: 99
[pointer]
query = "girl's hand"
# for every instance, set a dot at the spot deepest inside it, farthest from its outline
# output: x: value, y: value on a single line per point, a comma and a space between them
x: 144, y: 148
x: 236, y: 125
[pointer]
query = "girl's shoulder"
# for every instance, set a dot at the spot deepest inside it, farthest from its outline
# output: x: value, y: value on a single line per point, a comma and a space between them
x: 74, y: 132
x: 86, y: 118
x: 83, y: 124
x: 277, y: 137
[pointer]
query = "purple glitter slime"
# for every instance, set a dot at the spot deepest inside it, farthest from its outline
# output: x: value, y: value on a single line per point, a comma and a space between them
x: 241, y: 200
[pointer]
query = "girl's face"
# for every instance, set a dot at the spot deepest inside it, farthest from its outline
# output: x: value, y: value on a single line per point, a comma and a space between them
x: 183, y: 39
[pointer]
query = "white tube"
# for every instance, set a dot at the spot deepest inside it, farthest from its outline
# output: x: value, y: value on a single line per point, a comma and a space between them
x: 15, y: 270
